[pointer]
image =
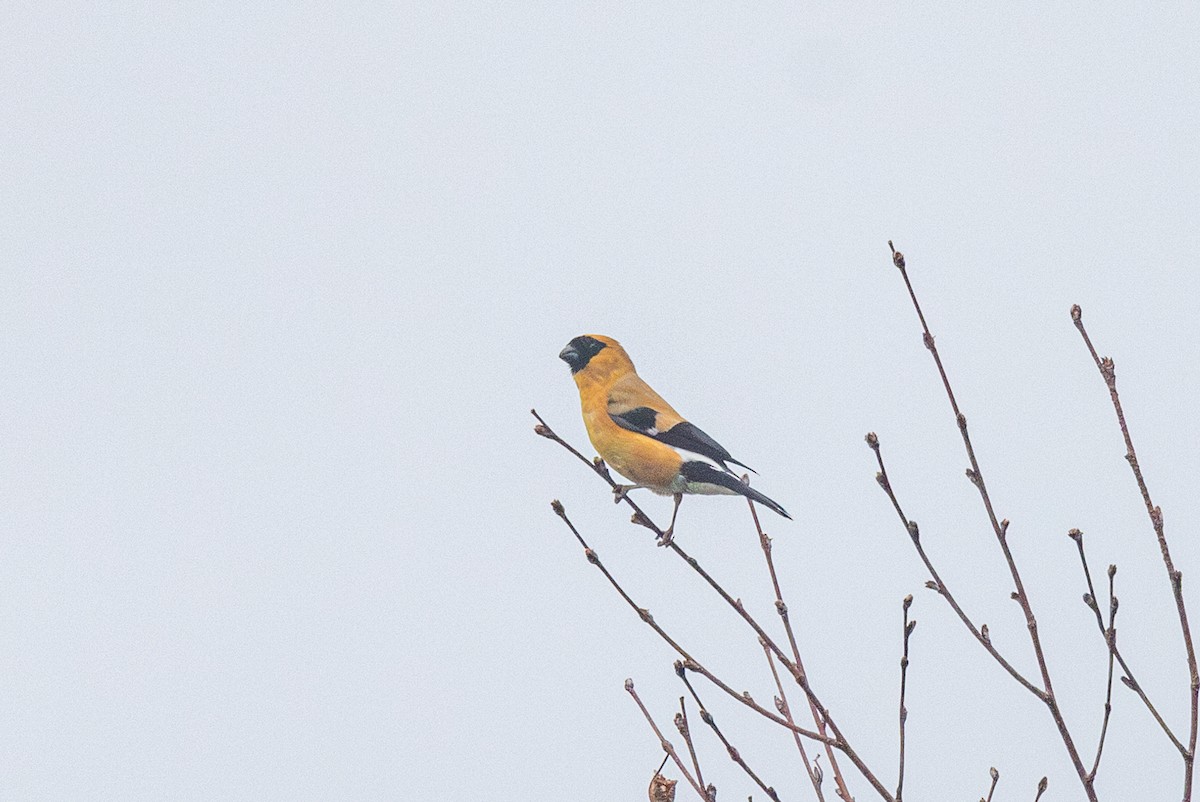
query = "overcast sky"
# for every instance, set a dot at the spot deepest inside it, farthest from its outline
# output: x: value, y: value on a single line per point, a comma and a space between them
x: 279, y: 285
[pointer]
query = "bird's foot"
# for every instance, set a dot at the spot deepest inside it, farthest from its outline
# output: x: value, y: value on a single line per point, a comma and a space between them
x: 667, y: 537
x: 620, y: 491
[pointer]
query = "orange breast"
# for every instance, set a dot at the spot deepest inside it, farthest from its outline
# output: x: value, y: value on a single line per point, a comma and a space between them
x: 638, y: 458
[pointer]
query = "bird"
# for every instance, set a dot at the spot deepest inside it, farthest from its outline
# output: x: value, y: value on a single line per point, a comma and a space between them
x: 642, y: 436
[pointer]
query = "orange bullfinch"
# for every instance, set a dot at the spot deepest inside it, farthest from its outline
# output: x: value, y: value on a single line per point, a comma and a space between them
x: 642, y: 437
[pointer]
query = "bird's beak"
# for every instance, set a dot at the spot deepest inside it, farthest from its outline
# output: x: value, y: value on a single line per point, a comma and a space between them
x: 567, y: 354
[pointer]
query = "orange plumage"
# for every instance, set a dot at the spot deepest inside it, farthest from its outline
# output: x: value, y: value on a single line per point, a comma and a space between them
x: 641, y: 436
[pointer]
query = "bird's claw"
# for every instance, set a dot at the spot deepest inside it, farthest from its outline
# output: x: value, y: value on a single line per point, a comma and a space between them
x: 619, y: 492
x: 667, y: 537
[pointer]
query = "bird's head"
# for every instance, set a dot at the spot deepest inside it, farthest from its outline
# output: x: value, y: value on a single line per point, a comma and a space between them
x: 582, y: 350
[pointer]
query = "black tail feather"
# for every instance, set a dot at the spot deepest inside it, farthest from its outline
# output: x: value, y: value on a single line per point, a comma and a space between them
x: 703, y: 472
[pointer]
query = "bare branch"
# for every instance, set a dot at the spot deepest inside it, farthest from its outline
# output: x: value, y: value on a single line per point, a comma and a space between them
x: 1110, y: 636
x: 1108, y: 372
x: 734, y: 754
x: 681, y: 724
x: 781, y: 607
x: 1000, y: 528
x: 688, y: 661
x: 1128, y: 679
x: 995, y: 779
x: 664, y: 743
x: 937, y: 584
x: 781, y: 704
x: 909, y: 626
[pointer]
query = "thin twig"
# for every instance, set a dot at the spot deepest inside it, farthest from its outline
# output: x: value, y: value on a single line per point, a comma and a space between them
x: 1128, y: 679
x: 1000, y: 528
x: 909, y: 626
x: 681, y: 724
x: 937, y: 584
x: 666, y: 745
x: 1108, y: 372
x: 995, y: 779
x: 781, y: 607
x: 1110, y: 636
x: 781, y: 704
x: 734, y: 754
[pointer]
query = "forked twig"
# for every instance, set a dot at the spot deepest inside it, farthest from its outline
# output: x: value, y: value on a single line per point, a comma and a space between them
x: 689, y: 662
x: 1000, y: 529
x: 708, y: 719
x: 937, y: 584
x: 663, y: 742
x: 681, y: 724
x: 1108, y: 372
x: 781, y: 704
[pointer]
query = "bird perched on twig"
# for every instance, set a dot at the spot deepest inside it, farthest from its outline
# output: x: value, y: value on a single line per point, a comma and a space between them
x: 642, y: 436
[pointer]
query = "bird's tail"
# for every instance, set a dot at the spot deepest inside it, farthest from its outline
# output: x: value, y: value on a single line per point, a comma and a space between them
x: 752, y: 494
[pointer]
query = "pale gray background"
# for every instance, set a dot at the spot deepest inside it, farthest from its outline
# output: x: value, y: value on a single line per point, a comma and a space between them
x: 280, y: 284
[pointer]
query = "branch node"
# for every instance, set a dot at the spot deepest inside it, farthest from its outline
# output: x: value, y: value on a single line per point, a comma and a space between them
x: 1076, y: 313
x: 1075, y: 534
x: 872, y: 440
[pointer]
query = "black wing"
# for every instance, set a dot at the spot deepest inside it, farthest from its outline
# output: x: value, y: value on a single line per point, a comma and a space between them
x: 684, y: 436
